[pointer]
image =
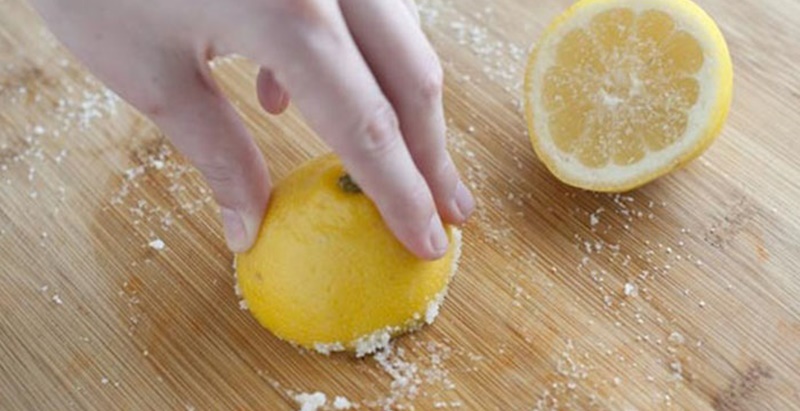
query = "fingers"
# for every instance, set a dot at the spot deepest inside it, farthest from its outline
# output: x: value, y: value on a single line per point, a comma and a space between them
x: 201, y: 123
x: 333, y: 87
x: 272, y: 96
x: 412, y: 8
x: 173, y: 86
x: 410, y: 75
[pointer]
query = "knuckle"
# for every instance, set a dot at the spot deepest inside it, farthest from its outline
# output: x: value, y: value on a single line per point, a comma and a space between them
x: 416, y: 207
x: 171, y: 92
x: 307, y: 15
x: 302, y: 9
x: 380, y: 131
x: 445, y: 172
x: 431, y: 81
x: 220, y: 174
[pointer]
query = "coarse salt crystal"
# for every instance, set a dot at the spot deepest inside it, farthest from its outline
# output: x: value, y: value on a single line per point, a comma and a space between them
x: 342, y: 403
x: 327, y: 349
x: 310, y: 402
x: 432, y: 311
x: 676, y: 338
x: 373, y: 343
x: 156, y: 244
x: 631, y: 290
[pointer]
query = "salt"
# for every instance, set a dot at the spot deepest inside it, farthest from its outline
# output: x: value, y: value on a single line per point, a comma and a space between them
x: 676, y: 338
x: 342, y: 403
x: 156, y: 244
x: 310, y: 402
x: 631, y: 290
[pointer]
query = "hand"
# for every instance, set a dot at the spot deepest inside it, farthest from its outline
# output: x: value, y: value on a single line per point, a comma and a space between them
x: 361, y: 72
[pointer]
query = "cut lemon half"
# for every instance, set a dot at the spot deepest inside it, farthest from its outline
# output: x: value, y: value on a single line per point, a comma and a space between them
x: 621, y: 92
x: 327, y: 274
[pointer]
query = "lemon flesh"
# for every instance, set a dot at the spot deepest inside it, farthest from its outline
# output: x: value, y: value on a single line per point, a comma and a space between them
x: 620, y: 92
x: 326, y: 273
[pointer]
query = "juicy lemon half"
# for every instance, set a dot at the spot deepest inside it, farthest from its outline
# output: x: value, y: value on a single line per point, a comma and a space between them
x: 621, y: 92
x: 327, y: 274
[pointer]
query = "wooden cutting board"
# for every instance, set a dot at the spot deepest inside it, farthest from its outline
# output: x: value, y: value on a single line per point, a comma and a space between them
x: 680, y: 295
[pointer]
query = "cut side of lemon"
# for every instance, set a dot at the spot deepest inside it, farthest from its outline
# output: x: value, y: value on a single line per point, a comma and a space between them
x: 621, y: 92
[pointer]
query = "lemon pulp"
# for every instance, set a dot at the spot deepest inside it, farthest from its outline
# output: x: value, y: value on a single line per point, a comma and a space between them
x: 620, y: 92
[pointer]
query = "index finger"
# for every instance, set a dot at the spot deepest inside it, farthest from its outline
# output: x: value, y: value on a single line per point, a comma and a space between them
x: 332, y: 85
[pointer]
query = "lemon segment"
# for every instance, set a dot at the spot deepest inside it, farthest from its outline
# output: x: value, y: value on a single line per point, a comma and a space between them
x: 620, y: 92
x: 327, y: 274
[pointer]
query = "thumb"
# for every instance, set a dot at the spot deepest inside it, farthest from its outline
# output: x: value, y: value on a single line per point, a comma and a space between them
x: 203, y: 125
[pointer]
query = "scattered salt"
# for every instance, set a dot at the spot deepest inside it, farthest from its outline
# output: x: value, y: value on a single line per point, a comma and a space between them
x: 341, y: 403
x: 373, y: 343
x: 677, y: 370
x: 676, y: 338
x: 310, y: 402
x: 156, y: 244
x: 594, y: 218
x: 432, y: 311
x: 631, y: 290
x: 327, y: 349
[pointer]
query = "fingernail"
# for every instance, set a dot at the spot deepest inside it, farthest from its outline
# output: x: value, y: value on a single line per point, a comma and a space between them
x: 235, y: 234
x: 438, y: 236
x: 464, y: 201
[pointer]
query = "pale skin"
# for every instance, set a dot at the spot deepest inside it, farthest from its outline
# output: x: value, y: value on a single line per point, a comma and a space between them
x: 362, y: 73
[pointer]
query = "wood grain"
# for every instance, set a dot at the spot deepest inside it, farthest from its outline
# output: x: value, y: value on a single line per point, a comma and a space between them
x: 91, y: 317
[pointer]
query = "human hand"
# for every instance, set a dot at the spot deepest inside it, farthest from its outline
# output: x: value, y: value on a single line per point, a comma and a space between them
x: 361, y: 72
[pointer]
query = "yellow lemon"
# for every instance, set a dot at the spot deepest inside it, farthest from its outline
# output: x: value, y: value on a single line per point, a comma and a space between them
x: 620, y: 92
x: 326, y: 273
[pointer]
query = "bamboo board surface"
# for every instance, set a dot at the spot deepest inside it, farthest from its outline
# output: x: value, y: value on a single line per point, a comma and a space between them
x: 538, y: 317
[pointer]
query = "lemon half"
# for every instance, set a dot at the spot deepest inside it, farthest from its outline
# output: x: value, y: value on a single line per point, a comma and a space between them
x: 327, y: 274
x: 620, y: 92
